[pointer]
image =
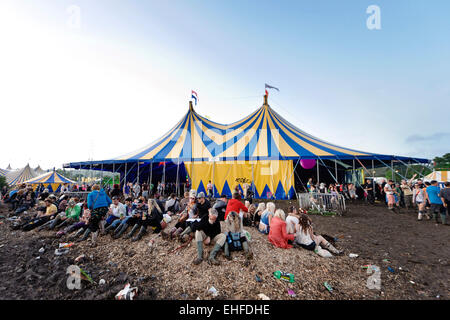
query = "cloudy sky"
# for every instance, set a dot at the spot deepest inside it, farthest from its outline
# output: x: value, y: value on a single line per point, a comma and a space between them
x: 84, y: 80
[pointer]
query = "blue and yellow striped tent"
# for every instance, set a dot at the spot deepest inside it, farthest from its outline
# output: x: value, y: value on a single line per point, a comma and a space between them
x: 51, y: 180
x: 3, y: 172
x: 261, y: 149
x: 18, y: 177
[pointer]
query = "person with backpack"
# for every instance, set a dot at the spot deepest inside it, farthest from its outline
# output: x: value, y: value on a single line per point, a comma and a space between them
x: 236, y: 236
x: 208, y: 231
x: 98, y: 203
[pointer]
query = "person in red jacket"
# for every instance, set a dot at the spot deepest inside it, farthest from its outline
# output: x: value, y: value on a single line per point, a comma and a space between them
x: 235, y: 205
x: 278, y: 235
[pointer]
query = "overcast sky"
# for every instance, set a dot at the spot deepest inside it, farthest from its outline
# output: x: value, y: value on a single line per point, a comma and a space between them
x: 119, y: 75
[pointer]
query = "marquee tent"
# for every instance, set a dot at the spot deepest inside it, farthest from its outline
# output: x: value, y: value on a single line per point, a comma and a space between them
x: 3, y: 172
x: 20, y: 176
x: 263, y: 150
x: 51, y: 180
x: 440, y: 176
x: 39, y: 170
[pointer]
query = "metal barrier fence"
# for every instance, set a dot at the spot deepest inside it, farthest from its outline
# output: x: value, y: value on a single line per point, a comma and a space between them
x: 322, y: 202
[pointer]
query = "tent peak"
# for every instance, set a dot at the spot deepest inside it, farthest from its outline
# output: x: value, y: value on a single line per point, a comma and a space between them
x: 265, y: 100
x: 191, y: 108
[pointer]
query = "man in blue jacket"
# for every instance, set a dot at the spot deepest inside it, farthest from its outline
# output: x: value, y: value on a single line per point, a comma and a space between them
x: 98, y: 202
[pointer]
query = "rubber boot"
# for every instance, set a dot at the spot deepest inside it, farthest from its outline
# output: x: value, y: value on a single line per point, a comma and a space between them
x: 94, y: 238
x: 226, y: 250
x: 419, y: 217
x: 54, y: 222
x: 321, y: 252
x: 185, y: 232
x: 177, y: 232
x: 45, y: 225
x: 138, y: 237
x: 119, y: 231
x: 435, y: 216
x: 76, y: 235
x: 130, y: 234
x: 199, y: 253
x: 85, y: 235
x: 109, y: 228
x: 212, y: 255
x: 443, y: 219
x: 332, y: 249
x: 248, y: 253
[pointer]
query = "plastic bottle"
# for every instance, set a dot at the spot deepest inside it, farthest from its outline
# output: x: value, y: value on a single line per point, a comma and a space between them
x: 284, y: 276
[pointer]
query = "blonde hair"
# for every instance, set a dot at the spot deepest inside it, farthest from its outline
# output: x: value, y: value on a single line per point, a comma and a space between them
x: 261, y: 207
x: 280, y: 214
x: 95, y: 187
x: 270, y: 207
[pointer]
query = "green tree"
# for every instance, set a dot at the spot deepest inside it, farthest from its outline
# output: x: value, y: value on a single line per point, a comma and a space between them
x: 3, y: 182
x: 442, y: 163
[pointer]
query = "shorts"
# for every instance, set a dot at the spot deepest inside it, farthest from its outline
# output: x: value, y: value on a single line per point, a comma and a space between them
x: 391, y: 199
x: 309, y: 247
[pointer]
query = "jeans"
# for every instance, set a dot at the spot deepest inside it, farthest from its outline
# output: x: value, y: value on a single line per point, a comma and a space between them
x: 118, y: 221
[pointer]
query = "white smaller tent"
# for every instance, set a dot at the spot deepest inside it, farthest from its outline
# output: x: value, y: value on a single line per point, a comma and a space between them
x: 439, y: 176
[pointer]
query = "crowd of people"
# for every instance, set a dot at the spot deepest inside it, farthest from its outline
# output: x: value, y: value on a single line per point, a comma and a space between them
x: 132, y: 213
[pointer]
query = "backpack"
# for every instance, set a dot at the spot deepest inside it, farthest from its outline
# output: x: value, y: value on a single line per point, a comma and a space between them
x: 235, y: 241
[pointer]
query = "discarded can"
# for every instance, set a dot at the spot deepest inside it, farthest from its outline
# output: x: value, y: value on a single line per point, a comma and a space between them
x: 327, y: 285
x: 284, y: 276
x: 390, y: 269
x: 258, y: 279
x: 65, y: 245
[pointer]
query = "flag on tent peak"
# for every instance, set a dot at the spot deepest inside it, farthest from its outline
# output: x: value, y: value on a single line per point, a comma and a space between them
x: 194, y: 96
x: 270, y: 87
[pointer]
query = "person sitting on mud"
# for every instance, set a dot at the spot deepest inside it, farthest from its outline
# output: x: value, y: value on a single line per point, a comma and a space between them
x: 133, y: 220
x: 81, y: 226
x: 292, y: 220
x: 235, y: 205
x: 203, y: 205
x: 42, y: 217
x: 116, y: 212
x: 182, y: 223
x: 248, y: 216
x: 70, y: 216
x: 25, y: 204
x: 208, y: 231
x: 236, y: 236
x: 184, y: 202
x: 257, y: 215
x: 191, y: 220
x: 121, y: 211
x: 266, y: 218
x: 152, y: 218
x: 307, y: 239
x: 221, y: 206
x: 278, y: 235
x: 172, y: 205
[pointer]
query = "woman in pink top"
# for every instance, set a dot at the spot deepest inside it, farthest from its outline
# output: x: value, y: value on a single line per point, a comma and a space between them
x: 278, y: 235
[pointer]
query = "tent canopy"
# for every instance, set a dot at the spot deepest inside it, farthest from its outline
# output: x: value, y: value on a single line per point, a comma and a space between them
x: 49, y: 177
x: 20, y: 176
x: 262, y: 135
x: 440, y: 176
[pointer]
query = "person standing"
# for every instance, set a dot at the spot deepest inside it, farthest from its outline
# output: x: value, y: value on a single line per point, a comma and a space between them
x: 98, y: 202
x: 436, y: 204
x: 445, y: 197
x: 389, y: 194
x: 368, y: 189
x: 209, y: 189
x: 407, y: 194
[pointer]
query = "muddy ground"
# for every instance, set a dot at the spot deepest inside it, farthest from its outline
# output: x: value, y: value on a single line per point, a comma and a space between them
x: 420, y: 249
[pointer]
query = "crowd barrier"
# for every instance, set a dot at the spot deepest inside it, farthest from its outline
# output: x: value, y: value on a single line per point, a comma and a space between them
x: 322, y: 202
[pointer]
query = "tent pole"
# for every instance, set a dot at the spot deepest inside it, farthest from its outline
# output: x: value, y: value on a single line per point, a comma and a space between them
x: 317, y: 166
x: 138, y: 173
x: 335, y: 179
x: 213, y: 173
x: 253, y: 181
x: 387, y: 166
x: 125, y: 180
x: 353, y: 172
x: 392, y: 171
x: 102, y: 174
x: 151, y: 175
x: 300, y: 182
x: 286, y: 182
x: 373, y: 179
x: 164, y: 178
x: 176, y: 180
x: 410, y: 166
x: 335, y: 170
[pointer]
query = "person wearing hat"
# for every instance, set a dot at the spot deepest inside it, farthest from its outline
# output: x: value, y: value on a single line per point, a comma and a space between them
x: 203, y: 205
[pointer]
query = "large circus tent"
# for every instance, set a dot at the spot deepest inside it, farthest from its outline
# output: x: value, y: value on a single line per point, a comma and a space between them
x: 263, y: 149
x: 17, y: 177
x: 51, y: 180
